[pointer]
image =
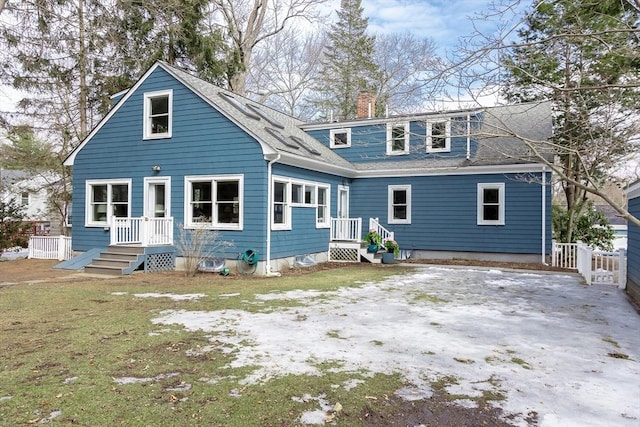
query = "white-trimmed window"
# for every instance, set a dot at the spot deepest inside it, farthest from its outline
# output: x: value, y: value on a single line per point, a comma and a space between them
x: 322, y: 208
x: 106, y: 199
x: 281, y: 217
x: 214, y: 202
x: 439, y: 136
x: 397, y: 138
x: 158, y: 111
x: 340, y: 138
x: 399, y: 204
x: 297, y: 194
x: 491, y: 203
x: 24, y: 198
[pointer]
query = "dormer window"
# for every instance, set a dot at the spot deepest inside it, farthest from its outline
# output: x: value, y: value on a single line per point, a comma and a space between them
x: 397, y: 138
x: 158, y: 114
x: 340, y: 138
x: 439, y: 136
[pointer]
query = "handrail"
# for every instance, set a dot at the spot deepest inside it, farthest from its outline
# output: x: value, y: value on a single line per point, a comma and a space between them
x: 374, y: 224
x: 346, y: 229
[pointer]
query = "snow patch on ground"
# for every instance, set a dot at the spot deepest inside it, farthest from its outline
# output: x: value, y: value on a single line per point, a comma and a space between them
x: 174, y: 297
x: 543, y: 341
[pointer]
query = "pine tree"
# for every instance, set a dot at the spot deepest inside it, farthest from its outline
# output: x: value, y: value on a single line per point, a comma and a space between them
x: 348, y: 67
x: 583, y: 55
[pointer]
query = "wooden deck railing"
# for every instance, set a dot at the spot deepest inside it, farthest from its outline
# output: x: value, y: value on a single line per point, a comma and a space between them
x: 142, y: 231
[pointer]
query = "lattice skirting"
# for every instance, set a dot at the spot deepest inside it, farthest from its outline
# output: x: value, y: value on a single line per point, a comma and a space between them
x: 160, y: 262
x: 344, y: 254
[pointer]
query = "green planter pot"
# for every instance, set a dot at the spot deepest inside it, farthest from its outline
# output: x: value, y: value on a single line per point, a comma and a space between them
x: 388, y: 258
x: 372, y: 249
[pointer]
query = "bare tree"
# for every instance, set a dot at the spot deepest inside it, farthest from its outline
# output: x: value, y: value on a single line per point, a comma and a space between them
x: 285, y: 69
x: 249, y: 22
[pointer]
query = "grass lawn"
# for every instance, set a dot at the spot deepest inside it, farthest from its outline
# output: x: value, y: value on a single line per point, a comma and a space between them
x: 76, y: 353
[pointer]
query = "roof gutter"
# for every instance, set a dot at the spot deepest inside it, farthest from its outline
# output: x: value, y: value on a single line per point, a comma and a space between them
x: 271, y: 158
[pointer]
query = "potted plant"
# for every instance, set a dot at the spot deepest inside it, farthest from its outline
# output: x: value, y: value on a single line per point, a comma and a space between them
x: 392, y: 250
x: 374, y: 239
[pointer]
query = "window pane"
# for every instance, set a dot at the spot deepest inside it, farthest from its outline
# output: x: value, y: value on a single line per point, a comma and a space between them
x: 399, y: 212
x: 228, y: 213
x: 309, y: 195
x: 201, y: 212
x: 121, y: 210
x: 99, y: 193
x: 228, y: 191
x: 201, y: 191
x: 159, y: 105
x: 399, y: 197
x: 491, y: 213
x: 322, y: 194
x: 397, y: 138
x: 279, y: 191
x: 99, y: 212
x: 160, y: 124
x: 119, y: 193
x: 296, y: 193
x: 278, y: 214
x: 340, y: 138
x: 490, y: 195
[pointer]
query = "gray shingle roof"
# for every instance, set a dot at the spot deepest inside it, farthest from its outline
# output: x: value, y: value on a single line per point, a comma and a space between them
x: 302, y: 145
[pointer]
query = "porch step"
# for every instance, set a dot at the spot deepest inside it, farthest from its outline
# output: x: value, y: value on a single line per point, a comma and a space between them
x: 373, y: 258
x: 117, y: 260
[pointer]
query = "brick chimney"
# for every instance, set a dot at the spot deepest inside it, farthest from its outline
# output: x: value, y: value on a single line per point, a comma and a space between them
x: 366, y: 105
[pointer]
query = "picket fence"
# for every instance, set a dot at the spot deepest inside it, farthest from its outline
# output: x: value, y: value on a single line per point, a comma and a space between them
x: 597, y: 267
x: 50, y: 247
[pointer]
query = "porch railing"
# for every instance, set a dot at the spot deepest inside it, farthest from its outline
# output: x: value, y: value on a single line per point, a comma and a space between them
x: 346, y: 229
x: 50, y: 247
x: 374, y: 224
x: 142, y: 231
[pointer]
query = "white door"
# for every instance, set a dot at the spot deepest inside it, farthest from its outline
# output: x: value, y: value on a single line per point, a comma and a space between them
x: 157, y: 197
x: 343, y: 223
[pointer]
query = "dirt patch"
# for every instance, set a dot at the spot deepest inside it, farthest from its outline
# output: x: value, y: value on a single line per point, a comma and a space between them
x: 28, y: 270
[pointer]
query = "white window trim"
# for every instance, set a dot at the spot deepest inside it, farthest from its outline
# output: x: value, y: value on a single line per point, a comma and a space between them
x: 390, y: 127
x: 286, y: 225
x: 447, y: 143
x: 108, y: 182
x: 501, y: 198
x: 327, y: 223
x: 390, y: 218
x: 214, y: 224
x: 147, y: 111
x: 332, y: 133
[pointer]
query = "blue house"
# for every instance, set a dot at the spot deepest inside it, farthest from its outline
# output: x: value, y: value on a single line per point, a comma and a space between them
x: 633, y: 244
x: 177, y: 153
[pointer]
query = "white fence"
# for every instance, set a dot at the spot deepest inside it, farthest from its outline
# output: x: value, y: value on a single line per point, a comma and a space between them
x: 50, y: 247
x: 143, y: 231
x: 596, y: 267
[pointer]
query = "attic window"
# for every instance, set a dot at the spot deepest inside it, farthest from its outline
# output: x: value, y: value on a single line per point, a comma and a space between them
x: 439, y: 136
x: 158, y: 114
x: 340, y: 138
x: 397, y: 138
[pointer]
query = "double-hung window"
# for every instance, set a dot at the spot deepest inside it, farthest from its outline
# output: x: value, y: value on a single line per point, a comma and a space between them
x: 491, y: 204
x: 439, y: 136
x: 322, y: 208
x: 106, y: 199
x: 340, y: 138
x: 397, y: 138
x: 214, y: 202
x: 281, y: 218
x: 158, y: 111
x: 399, y: 204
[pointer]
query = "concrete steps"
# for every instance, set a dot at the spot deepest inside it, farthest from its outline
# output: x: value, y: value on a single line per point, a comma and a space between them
x: 117, y: 260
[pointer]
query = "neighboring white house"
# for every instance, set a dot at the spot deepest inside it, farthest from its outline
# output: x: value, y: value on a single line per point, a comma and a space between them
x: 30, y: 192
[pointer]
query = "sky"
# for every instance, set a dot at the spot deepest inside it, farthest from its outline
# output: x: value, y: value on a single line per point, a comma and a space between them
x: 548, y: 343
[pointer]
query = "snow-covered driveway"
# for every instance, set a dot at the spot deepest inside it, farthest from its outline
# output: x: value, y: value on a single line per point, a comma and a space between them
x: 551, y: 345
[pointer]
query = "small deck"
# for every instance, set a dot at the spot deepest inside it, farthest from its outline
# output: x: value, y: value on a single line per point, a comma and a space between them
x: 347, y: 244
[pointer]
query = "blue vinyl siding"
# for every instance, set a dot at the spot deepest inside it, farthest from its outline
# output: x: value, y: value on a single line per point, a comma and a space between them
x: 633, y: 247
x: 304, y: 237
x: 444, y: 213
x: 368, y: 142
x: 203, y: 142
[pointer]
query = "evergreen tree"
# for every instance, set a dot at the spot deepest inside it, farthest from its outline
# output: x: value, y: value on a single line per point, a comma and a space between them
x: 583, y: 55
x: 348, y: 67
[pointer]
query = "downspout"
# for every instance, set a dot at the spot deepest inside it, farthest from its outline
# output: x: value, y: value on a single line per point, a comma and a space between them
x: 271, y: 158
x: 544, y: 214
x: 468, y: 136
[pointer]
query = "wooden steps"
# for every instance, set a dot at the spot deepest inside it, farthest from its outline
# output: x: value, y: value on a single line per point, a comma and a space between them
x: 117, y: 260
